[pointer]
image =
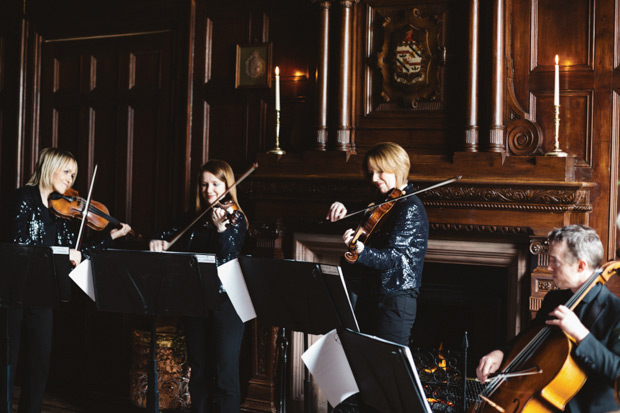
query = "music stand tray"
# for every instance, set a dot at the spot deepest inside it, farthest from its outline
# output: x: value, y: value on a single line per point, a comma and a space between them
x: 155, y: 283
x: 298, y: 295
x: 385, y: 373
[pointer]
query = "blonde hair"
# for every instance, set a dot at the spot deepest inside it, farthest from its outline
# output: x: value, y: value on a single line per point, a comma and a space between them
x: 388, y: 157
x: 222, y: 171
x: 50, y: 161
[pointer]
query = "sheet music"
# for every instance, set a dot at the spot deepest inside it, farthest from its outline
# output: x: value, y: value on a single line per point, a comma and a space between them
x: 330, y: 369
x: 232, y: 279
x: 82, y: 275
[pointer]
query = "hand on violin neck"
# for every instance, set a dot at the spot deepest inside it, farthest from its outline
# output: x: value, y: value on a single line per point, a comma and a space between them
x: 336, y: 212
x: 219, y: 217
x: 347, y: 237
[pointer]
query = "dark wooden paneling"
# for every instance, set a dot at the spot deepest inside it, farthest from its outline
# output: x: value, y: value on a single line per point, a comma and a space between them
x: 108, y: 99
x: 565, y: 28
x: 107, y: 82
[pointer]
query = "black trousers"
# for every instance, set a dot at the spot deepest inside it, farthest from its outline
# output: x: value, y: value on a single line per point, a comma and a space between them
x: 388, y: 316
x: 32, y: 330
x: 213, y: 346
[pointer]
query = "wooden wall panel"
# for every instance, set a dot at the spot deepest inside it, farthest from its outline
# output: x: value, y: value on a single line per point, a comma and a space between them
x: 106, y: 99
x: 575, y: 123
x: 565, y: 28
x: 107, y: 82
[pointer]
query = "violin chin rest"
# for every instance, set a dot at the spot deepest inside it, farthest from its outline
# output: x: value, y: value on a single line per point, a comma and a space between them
x: 54, y: 196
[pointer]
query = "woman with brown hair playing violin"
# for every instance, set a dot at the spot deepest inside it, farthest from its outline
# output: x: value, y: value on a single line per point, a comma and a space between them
x: 33, y: 223
x: 389, y: 264
x: 214, y: 342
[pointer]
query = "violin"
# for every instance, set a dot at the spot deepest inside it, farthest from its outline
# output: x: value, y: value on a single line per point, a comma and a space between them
x: 539, y: 374
x: 231, y: 208
x: 377, y: 212
x: 369, y: 223
x: 70, y: 205
x: 228, y: 205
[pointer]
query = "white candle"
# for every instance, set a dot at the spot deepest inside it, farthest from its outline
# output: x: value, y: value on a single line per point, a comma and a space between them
x: 556, y: 86
x: 277, y: 88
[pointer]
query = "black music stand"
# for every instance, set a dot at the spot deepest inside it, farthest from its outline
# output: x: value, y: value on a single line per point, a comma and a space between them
x: 384, y: 372
x: 154, y: 283
x: 302, y: 296
x: 27, y: 280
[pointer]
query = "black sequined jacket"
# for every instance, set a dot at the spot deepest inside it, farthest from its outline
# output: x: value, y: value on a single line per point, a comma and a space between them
x: 203, y: 237
x: 32, y: 223
x: 394, y: 252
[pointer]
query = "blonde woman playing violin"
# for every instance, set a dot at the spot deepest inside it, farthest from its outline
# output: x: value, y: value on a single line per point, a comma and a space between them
x: 386, y: 277
x: 32, y: 223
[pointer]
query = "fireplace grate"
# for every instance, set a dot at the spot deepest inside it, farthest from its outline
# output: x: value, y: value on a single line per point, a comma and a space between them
x: 441, y: 373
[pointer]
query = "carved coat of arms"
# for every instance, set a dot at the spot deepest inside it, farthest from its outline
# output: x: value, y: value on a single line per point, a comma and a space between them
x: 410, y: 59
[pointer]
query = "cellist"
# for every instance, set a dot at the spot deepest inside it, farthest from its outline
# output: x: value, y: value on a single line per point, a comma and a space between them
x: 389, y: 265
x: 575, y: 251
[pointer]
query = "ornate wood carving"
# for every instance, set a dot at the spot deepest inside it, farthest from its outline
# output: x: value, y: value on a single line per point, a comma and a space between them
x: 493, y: 229
x: 524, y: 137
x: 411, y: 57
x: 525, y: 197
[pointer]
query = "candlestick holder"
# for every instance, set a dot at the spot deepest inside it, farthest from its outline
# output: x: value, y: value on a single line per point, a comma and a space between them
x: 556, y: 123
x: 277, y: 150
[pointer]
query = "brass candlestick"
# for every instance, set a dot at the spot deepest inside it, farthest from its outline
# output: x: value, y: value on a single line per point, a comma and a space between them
x: 556, y: 123
x: 277, y: 150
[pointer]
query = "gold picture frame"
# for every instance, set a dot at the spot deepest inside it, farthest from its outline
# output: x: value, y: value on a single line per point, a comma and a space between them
x: 253, y: 65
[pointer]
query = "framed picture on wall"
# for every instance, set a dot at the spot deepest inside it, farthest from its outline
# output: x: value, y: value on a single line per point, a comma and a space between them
x: 253, y: 67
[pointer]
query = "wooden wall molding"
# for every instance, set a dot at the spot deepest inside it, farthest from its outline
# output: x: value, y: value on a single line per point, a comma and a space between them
x: 468, y: 228
x: 511, y: 196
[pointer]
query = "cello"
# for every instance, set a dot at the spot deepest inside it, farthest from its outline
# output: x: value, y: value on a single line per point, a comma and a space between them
x: 539, y: 374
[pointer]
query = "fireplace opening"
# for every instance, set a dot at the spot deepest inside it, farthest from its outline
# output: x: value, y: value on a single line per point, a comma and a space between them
x: 472, y: 286
x: 455, y: 298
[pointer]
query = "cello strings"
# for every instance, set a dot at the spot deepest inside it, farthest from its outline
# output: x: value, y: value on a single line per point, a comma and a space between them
x: 528, y: 351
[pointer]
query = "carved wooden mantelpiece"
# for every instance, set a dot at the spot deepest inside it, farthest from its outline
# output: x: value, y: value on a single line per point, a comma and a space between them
x: 464, y: 206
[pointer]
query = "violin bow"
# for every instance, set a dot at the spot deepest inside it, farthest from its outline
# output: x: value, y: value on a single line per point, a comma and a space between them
x: 86, y: 210
x: 437, y: 185
x: 218, y: 199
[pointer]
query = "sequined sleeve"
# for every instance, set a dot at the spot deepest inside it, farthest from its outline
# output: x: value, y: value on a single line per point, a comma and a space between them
x: 24, y: 227
x: 230, y: 241
x: 397, y: 252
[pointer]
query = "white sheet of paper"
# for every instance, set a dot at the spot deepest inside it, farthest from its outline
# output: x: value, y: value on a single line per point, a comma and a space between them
x: 82, y: 275
x: 232, y: 279
x: 329, y: 367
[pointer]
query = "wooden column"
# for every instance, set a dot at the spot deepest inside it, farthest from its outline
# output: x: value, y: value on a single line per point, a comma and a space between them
x: 344, y: 84
x: 322, y: 78
x: 471, y: 129
x: 496, y: 136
